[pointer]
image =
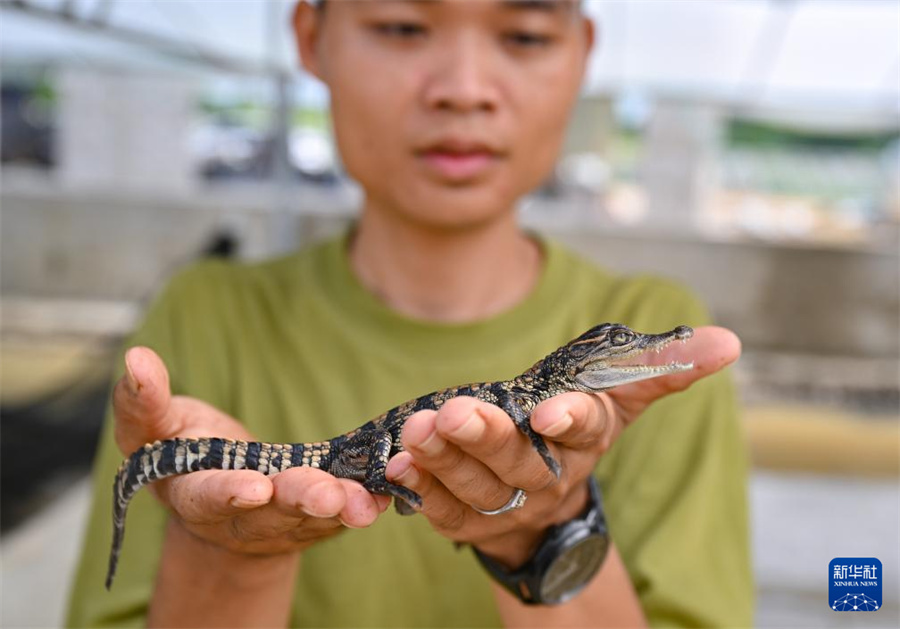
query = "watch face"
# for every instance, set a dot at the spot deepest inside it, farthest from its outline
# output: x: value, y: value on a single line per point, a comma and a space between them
x: 573, y: 569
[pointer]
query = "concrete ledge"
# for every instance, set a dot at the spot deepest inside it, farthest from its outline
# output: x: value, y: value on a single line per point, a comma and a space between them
x: 823, y: 441
x: 76, y: 317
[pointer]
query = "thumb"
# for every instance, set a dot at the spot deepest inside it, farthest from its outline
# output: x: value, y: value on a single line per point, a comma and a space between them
x: 141, y: 400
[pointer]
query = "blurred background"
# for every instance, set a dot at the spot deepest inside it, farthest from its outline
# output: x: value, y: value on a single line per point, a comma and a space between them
x: 749, y: 148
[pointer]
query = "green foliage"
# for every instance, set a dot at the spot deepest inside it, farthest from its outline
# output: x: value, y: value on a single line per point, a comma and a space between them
x: 45, y: 92
x: 747, y: 134
x: 256, y: 115
x: 311, y: 118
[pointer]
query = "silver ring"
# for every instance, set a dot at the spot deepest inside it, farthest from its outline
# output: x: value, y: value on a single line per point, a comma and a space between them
x: 516, y: 502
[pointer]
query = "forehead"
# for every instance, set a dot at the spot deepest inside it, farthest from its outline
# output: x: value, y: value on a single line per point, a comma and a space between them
x: 538, y: 6
x: 547, y: 6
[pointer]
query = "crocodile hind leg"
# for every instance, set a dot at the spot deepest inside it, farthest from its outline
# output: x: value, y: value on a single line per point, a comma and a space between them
x: 364, y: 458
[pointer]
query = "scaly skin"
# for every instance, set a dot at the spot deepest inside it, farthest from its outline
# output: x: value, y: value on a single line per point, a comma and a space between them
x: 590, y: 363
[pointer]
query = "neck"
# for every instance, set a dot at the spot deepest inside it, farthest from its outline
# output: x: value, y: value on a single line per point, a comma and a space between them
x: 445, y: 275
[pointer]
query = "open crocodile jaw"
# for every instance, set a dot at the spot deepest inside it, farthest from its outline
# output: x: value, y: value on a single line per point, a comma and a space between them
x: 612, y: 374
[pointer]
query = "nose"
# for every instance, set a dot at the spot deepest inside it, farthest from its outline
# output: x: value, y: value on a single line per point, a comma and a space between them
x: 463, y: 79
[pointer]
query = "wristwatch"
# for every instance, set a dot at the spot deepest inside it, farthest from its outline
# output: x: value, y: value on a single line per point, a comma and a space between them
x: 566, y: 560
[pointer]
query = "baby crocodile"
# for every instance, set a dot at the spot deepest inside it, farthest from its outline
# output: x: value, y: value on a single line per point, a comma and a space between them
x: 592, y: 362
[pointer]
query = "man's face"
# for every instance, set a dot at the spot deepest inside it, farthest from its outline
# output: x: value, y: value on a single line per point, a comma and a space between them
x: 448, y: 111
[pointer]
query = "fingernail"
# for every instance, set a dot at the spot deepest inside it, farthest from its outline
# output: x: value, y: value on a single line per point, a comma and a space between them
x: 312, y: 513
x: 349, y: 526
x: 133, y: 385
x: 433, y: 444
x: 246, y: 503
x: 558, y: 427
x: 408, y: 475
x: 471, y: 429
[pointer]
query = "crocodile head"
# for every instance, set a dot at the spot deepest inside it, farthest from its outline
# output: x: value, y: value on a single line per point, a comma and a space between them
x: 603, y: 357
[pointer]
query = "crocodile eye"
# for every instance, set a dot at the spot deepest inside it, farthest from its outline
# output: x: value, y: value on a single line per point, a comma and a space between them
x: 622, y: 337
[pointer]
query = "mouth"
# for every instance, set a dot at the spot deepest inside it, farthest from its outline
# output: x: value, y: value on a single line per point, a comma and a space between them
x: 650, y: 371
x: 456, y: 160
x: 611, y: 372
x: 655, y: 343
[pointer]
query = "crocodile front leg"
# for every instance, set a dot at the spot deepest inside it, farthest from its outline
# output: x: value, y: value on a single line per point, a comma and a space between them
x: 522, y: 419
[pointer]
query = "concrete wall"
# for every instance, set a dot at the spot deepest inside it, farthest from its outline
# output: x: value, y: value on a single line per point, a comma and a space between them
x: 93, y: 247
x: 779, y: 298
x: 56, y: 243
x: 101, y: 146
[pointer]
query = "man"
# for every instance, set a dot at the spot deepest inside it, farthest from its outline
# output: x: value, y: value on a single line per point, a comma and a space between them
x: 446, y: 113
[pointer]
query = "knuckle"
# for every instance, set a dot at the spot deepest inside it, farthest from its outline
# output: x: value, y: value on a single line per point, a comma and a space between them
x: 549, y: 496
x: 584, y: 441
x: 502, y: 450
x: 495, y: 497
x: 450, y: 459
x: 557, y: 491
x: 523, y: 468
x: 466, y: 485
x: 243, y: 534
x: 504, y: 438
x: 537, y: 478
x: 451, y: 520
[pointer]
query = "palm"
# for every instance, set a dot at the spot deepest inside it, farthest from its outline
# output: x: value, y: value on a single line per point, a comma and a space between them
x: 241, y: 510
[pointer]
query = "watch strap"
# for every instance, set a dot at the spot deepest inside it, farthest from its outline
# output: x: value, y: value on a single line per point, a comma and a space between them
x: 524, y: 582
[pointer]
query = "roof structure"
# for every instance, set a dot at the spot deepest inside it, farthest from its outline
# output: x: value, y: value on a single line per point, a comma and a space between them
x: 822, y: 62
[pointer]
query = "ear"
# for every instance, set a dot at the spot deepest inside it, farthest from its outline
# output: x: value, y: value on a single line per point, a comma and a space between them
x: 307, y: 23
x: 589, y: 35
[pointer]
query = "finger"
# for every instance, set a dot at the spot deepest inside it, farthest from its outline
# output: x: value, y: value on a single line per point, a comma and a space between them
x: 710, y: 349
x: 297, y: 511
x: 141, y: 400
x: 485, y: 432
x: 467, y: 478
x: 211, y: 496
x: 309, y: 491
x: 303, y: 509
x: 442, y: 508
x: 361, y: 508
x: 579, y: 420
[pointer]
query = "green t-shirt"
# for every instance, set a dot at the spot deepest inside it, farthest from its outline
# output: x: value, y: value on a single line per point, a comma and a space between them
x: 299, y: 351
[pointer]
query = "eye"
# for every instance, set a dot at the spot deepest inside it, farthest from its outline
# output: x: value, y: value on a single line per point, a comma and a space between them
x: 525, y: 39
x: 622, y: 337
x: 399, y: 30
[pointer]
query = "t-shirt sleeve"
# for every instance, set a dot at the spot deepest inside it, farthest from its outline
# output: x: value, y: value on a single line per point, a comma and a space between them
x: 675, y: 490
x: 125, y: 605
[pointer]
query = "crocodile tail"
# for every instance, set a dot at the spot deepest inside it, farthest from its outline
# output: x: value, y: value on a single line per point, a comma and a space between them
x: 120, y: 506
x: 156, y: 461
x: 172, y: 457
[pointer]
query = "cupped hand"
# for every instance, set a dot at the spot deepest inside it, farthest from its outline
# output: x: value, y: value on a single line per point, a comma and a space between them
x: 469, y: 453
x: 240, y: 510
